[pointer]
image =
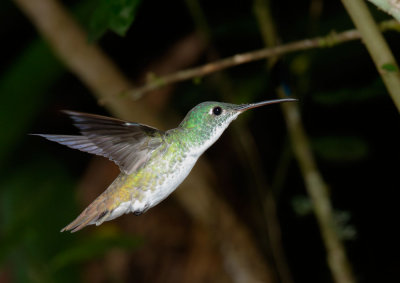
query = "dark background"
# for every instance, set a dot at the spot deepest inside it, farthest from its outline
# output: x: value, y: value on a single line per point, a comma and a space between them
x: 348, y: 115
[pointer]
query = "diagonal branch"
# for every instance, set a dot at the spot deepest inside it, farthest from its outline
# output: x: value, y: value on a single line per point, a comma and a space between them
x: 377, y: 47
x: 238, y: 59
x: 318, y: 190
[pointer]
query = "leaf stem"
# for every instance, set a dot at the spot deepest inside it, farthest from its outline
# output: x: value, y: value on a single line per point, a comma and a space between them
x: 376, y: 46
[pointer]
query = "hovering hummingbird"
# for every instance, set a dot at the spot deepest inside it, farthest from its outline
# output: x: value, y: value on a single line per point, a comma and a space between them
x: 153, y: 163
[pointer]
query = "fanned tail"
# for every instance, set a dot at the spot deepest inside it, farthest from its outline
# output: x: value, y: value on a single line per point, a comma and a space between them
x: 95, y: 213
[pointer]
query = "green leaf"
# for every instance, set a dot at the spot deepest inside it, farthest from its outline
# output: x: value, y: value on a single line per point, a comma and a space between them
x: 115, y: 15
x: 390, y: 67
x: 340, y: 148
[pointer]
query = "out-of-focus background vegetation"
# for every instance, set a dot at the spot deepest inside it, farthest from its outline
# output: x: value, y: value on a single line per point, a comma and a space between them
x: 349, y: 118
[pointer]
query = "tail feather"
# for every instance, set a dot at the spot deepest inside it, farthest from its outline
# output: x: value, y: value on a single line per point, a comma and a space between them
x: 95, y: 213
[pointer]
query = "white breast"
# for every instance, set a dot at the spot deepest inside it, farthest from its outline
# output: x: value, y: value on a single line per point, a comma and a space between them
x: 176, y: 174
x: 173, y: 180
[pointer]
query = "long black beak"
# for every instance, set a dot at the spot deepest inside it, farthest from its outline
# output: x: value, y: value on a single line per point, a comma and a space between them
x: 244, y: 107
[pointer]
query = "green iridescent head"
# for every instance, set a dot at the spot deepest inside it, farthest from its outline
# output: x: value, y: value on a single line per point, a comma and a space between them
x: 207, y: 121
x: 209, y: 114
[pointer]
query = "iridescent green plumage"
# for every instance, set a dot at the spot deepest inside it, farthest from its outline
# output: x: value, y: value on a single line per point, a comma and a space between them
x: 153, y: 163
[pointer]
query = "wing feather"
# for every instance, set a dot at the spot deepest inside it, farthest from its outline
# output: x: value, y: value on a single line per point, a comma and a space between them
x: 128, y: 144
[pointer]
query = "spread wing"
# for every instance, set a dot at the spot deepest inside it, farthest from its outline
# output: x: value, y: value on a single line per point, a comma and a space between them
x: 128, y: 144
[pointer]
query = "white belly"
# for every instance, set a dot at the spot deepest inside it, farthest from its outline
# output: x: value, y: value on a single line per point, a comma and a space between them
x: 172, y: 176
x: 176, y: 175
x: 171, y: 182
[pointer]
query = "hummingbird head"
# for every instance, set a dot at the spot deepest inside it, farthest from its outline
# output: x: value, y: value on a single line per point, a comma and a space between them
x: 205, y: 123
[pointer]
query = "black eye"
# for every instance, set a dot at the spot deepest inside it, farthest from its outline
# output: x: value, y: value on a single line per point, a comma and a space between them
x: 217, y: 110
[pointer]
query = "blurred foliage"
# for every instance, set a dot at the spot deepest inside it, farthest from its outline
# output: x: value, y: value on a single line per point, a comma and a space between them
x: 337, y: 148
x: 347, y: 231
x: 302, y: 205
x: 92, y: 247
x: 115, y: 15
x: 350, y: 95
x: 32, y: 209
x: 24, y: 88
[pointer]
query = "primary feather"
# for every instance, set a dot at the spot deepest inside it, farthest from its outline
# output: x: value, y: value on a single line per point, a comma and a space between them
x: 127, y: 144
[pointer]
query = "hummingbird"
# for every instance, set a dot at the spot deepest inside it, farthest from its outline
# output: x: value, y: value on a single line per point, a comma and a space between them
x: 153, y: 163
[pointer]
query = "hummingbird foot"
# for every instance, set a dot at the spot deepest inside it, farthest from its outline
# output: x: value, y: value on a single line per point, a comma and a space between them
x: 143, y: 210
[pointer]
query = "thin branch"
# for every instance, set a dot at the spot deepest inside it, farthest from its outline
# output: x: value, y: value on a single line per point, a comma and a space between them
x: 377, y: 47
x: 318, y: 42
x: 318, y: 191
